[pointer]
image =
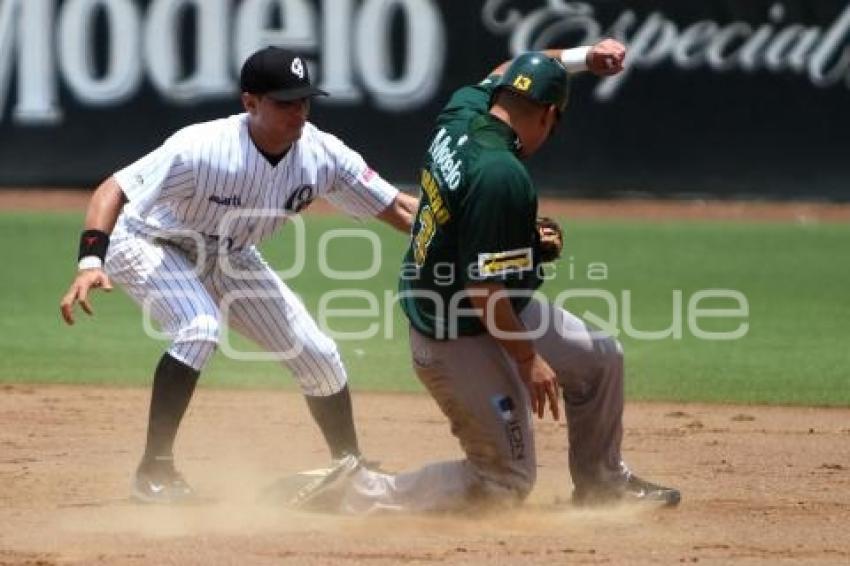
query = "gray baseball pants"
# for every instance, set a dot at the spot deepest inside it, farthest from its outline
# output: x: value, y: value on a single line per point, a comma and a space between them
x: 478, y: 388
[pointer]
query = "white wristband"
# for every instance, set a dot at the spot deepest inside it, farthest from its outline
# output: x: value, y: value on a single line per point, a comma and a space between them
x: 575, y: 59
x: 90, y: 262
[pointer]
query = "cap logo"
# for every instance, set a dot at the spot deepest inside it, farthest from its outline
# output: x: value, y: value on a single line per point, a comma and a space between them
x: 522, y: 82
x: 297, y: 67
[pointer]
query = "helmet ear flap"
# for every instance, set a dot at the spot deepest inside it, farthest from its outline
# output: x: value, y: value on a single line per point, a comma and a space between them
x: 556, y: 118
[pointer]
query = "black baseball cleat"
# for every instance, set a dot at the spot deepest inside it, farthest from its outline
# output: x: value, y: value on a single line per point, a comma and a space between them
x: 629, y: 488
x: 314, y: 490
x: 160, y: 482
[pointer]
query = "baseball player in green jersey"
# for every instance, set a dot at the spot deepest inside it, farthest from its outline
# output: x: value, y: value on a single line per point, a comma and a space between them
x: 486, y: 347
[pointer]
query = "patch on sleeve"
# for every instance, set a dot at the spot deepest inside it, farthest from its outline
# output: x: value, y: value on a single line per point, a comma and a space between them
x: 505, y: 263
x: 367, y: 175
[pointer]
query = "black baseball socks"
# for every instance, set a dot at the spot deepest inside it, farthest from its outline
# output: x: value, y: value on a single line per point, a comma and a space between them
x: 335, y: 418
x: 173, y: 385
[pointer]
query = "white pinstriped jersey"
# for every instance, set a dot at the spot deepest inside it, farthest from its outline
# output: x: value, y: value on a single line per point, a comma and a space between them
x: 212, y: 170
x: 210, y: 179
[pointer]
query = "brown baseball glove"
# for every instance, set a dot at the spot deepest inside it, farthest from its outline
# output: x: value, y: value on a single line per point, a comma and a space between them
x: 550, y: 240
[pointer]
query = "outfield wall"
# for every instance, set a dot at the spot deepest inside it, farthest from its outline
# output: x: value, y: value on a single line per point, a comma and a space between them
x: 721, y: 97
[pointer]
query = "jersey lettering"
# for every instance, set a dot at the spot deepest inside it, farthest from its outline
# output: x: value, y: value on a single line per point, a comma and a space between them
x: 430, y: 188
x: 427, y: 227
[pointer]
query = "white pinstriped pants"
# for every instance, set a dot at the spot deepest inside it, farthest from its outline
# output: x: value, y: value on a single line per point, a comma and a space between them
x: 194, y: 304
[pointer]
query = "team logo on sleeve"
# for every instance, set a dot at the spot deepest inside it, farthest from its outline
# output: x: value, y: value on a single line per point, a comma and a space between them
x: 505, y: 263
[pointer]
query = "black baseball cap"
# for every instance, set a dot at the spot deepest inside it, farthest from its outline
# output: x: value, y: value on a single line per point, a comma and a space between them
x: 278, y: 73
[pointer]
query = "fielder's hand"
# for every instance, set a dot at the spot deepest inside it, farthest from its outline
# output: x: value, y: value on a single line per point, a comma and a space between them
x: 550, y: 240
x: 79, y: 292
x: 606, y: 58
x: 542, y: 385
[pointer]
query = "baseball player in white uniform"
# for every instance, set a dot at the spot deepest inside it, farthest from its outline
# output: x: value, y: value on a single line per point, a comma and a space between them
x: 178, y: 229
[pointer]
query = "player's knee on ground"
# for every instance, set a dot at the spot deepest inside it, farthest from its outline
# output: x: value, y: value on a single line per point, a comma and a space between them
x: 503, y: 479
x: 196, y: 341
x: 499, y: 450
x: 503, y: 487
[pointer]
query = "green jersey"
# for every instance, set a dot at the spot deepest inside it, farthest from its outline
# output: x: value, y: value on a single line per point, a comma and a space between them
x: 476, y: 219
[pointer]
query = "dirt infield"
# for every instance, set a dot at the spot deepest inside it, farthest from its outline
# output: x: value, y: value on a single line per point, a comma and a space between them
x: 760, y: 485
x: 646, y: 209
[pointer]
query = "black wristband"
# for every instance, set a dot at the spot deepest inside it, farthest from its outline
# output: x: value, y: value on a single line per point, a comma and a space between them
x: 94, y: 243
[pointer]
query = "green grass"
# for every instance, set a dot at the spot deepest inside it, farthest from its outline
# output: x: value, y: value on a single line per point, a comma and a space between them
x: 794, y: 277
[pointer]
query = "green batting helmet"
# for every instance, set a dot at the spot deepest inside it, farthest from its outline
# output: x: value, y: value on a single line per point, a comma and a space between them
x: 538, y: 77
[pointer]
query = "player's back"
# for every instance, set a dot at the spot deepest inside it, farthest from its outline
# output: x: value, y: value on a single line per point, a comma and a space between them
x: 470, y: 159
